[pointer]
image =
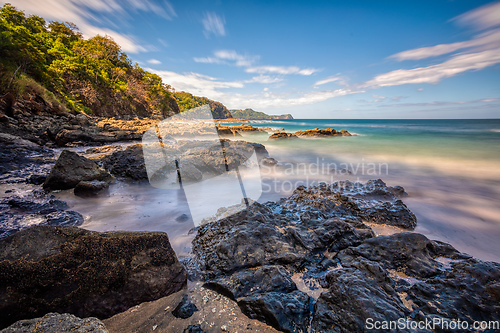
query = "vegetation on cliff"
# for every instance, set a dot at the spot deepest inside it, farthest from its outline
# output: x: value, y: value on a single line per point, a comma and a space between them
x: 251, y: 114
x: 54, y: 61
x: 187, y: 101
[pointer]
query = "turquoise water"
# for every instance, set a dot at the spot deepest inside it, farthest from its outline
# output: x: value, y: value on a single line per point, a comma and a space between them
x: 450, y: 169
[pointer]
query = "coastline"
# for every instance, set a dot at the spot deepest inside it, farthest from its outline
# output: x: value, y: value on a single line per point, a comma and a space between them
x: 352, y: 207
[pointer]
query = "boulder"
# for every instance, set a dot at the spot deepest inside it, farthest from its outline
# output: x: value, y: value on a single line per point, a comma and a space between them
x: 60, y: 323
x: 70, y: 169
x: 322, y: 132
x: 90, y: 188
x: 283, y: 135
x: 70, y: 270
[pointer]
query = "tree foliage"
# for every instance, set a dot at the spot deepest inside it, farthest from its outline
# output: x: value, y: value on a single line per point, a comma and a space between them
x: 91, y: 75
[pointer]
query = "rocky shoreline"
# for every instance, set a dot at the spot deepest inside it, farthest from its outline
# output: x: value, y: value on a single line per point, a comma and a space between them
x: 308, y: 263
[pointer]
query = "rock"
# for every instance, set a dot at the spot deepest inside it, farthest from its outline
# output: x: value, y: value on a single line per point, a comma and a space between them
x: 411, y: 253
x: 67, y: 269
x: 72, y: 168
x: 108, y: 149
x: 271, y: 278
x: 36, y: 179
x: 269, y: 161
x: 234, y: 130
x: 283, y: 135
x: 185, y: 308
x: 405, y: 276
x: 322, y: 132
x: 90, y: 188
x: 354, y: 295
x: 193, y: 329
x: 127, y: 163
x: 55, y: 322
x: 35, y: 208
x: 285, y: 312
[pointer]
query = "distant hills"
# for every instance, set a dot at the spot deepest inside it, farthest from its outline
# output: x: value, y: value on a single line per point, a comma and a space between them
x: 251, y: 114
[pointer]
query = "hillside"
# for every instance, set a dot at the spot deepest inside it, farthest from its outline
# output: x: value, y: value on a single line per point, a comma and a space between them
x: 251, y: 114
x: 52, y: 62
x: 187, y: 101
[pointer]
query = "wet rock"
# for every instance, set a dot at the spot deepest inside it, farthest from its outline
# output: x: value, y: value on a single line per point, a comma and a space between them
x: 282, y: 135
x: 36, y: 179
x: 193, y: 329
x: 35, y: 208
x: 185, y: 308
x: 271, y: 278
x: 354, y: 295
x: 269, y: 161
x: 55, y: 322
x: 410, y: 253
x: 127, y: 163
x: 70, y: 169
x: 322, y: 132
x: 286, y: 312
x: 90, y: 188
x: 61, y: 269
x: 405, y: 276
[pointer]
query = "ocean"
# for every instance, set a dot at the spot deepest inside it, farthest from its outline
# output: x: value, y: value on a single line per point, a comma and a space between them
x: 449, y: 168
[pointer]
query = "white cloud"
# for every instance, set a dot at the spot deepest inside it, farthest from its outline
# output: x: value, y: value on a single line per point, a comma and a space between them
x: 281, y: 70
x: 435, y: 73
x: 266, y: 79
x: 197, y: 84
x: 484, y: 17
x: 444, y: 103
x: 213, y: 24
x: 478, y: 53
x: 379, y: 97
x: 228, y: 57
x: 487, y: 40
x: 327, y: 80
x: 154, y: 62
x: 80, y: 12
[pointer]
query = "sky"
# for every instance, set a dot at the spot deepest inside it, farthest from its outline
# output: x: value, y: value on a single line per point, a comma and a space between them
x: 313, y: 59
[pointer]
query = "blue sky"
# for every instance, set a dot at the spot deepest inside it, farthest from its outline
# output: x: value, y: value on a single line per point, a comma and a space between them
x: 314, y: 59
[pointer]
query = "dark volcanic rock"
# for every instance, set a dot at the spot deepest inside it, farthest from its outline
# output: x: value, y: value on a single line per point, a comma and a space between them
x: 127, y: 163
x: 185, y: 308
x: 90, y: 188
x: 403, y: 276
x: 286, y: 312
x: 85, y: 273
x: 315, y: 241
x: 72, y: 168
x: 193, y: 329
x: 60, y: 323
x: 253, y: 281
x: 321, y: 132
x: 35, y: 208
x: 283, y: 135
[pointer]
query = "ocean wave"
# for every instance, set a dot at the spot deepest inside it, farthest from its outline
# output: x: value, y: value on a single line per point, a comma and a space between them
x: 496, y: 130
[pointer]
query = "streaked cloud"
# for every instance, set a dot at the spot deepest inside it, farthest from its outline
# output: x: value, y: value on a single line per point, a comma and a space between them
x: 283, y: 70
x: 266, y: 79
x: 445, y: 103
x: 213, y: 24
x: 435, y: 73
x: 327, y: 80
x: 476, y: 54
x: 228, y: 57
x: 154, y: 62
x: 197, y: 84
x: 484, y: 17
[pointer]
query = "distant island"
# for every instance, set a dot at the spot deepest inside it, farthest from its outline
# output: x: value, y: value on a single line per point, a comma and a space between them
x: 251, y: 114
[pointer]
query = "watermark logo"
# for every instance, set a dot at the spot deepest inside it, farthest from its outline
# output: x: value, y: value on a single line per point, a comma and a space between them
x: 185, y: 152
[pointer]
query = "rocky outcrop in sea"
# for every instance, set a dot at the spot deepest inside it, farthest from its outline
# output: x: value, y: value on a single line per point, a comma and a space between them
x: 310, y: 263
